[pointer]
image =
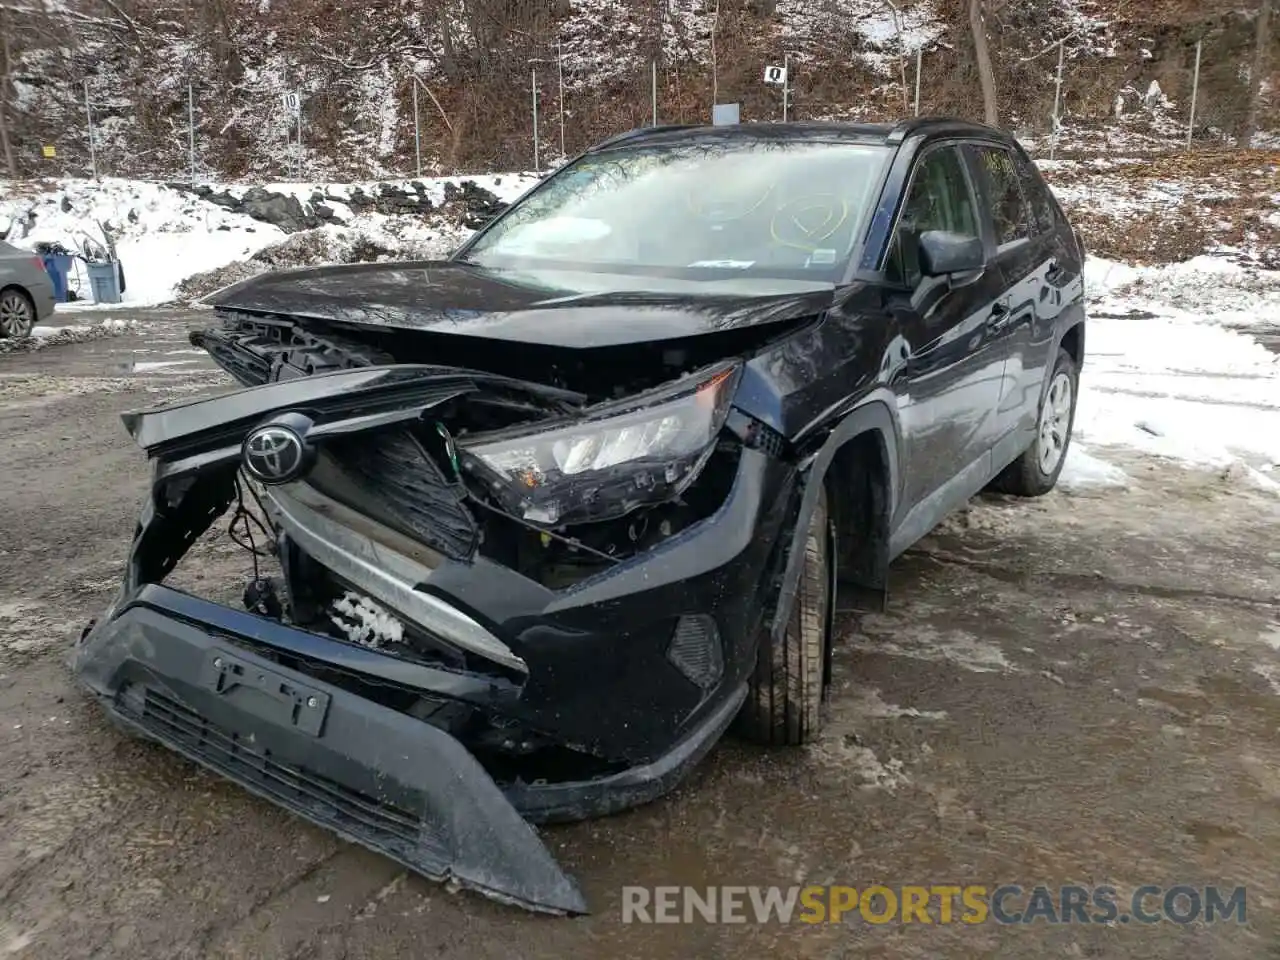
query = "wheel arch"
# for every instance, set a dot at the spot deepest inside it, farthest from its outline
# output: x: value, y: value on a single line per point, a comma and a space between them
x: 863, y: 446
x: 1072, y: 341
x: 19, y: 288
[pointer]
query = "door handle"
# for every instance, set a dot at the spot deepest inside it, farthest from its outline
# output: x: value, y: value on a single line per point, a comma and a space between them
x: 998, y: 317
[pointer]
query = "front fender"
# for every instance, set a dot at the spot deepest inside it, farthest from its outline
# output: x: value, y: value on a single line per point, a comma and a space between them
x: 873, y: 415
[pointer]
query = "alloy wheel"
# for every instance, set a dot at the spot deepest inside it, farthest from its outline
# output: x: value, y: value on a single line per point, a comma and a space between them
x: 16, y: 315
x: 1055, y: 423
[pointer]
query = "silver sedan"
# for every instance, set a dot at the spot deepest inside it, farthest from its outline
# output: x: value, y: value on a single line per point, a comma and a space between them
x: 26, y: 291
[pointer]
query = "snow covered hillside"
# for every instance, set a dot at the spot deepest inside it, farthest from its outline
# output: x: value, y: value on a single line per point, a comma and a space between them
x: 207, y: 93
x: 165, y: 235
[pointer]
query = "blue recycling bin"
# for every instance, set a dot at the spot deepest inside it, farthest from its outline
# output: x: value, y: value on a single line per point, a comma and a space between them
x: 58, y: 266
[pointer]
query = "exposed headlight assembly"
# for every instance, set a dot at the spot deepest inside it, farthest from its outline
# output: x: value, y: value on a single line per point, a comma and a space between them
x: 618, y: 457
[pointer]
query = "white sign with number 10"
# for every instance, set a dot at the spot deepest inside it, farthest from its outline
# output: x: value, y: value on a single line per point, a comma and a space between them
x: 291, y: 103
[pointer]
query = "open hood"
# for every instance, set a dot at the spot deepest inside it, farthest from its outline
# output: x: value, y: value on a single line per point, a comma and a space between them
x: 547, y: 308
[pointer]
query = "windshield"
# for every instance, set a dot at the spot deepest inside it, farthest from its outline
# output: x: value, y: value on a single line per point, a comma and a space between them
x: 720, y: 208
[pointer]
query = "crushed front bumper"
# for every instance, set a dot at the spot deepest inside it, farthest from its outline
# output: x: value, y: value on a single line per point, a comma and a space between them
x: 411, y: 756
x: 208, y: 682
x: 374, y: 776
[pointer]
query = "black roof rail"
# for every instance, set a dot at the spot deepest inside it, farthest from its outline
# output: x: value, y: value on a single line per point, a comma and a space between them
x: 637, y: 133
x: 905, y: 128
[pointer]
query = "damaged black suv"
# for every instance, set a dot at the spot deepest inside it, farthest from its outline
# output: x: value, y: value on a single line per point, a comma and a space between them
x: 549, y: 516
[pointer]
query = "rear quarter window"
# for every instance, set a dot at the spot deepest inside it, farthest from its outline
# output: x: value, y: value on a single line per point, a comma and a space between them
x: 1044, y: 210
x: 1009, y: 209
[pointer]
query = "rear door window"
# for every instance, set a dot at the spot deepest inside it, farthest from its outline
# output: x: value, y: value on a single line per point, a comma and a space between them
x: 1043, y: 212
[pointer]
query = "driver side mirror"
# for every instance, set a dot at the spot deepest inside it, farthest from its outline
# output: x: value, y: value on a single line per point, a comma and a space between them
x: 945, y: 254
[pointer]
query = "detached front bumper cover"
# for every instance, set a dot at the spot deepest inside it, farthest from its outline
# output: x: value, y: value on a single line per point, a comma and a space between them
x: 392, y: 783
x: 268, y: 704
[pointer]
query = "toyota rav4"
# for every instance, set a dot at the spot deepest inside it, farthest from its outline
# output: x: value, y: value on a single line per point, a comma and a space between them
x: 532, y: 526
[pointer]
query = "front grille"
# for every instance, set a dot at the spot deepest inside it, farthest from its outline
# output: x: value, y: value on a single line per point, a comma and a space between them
x: 389, y: 476
x: 257, y: 350
x: 380, y: 825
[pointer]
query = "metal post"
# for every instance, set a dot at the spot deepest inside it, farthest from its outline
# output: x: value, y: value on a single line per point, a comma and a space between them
x: 1195, y: 93
x: 191, y: 128
x: 1057, y: 100
x: 534, y: 85
x: 653, y: 85
x: 88, y: 112
x: 299, y: 134
x: 417, y: 127
x: 919, y: 63
x: 560, y: 82
x: 786, y: 84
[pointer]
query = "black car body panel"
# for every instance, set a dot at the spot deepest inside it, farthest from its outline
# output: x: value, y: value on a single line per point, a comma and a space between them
x: 462, y: 301
x: 562, y: 668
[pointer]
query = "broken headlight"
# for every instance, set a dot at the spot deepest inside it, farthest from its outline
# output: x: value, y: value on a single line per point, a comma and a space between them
x: 621, y: 456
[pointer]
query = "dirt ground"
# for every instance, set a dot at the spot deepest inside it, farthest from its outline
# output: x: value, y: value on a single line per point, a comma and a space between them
x: 1081, y: 689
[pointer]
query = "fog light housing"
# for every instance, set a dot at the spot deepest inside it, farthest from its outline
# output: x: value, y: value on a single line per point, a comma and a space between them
x: 696, y: 652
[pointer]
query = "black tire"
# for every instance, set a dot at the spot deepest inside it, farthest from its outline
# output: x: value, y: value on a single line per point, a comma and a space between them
x: 786, y: 690
x: 17, y: 313
x: 1027, y: 476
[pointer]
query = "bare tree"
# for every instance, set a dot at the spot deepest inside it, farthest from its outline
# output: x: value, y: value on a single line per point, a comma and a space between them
x: 985, y: 75
x: 1261, y: 43
x: 715, y: 67
x: 6, y: 66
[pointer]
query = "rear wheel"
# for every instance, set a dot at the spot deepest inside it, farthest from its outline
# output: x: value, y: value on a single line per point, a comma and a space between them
x: 786, y: 690
x: 17, y: 313
x: 1036, y: 471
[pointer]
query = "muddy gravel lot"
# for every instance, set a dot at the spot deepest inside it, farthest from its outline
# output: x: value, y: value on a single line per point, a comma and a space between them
x: 1081, y: 689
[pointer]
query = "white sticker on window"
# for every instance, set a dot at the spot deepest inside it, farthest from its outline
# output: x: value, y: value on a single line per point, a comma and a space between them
x: 723, y: 264
x: 823, y: 255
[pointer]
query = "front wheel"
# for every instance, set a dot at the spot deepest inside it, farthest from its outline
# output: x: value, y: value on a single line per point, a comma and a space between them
x: 786, y: 690
x: 1036, y: 471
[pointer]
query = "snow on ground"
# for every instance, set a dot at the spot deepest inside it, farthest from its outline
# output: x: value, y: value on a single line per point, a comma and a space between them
x: 44, y: 336
x: 1083, y: 471
x: 1168, y: 373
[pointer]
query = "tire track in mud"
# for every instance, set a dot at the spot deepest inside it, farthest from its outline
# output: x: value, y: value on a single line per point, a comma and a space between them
x: 200, y: 943
x: 1093, y: 581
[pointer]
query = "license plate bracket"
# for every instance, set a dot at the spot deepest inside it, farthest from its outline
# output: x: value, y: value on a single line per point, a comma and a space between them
x: 265, y: 693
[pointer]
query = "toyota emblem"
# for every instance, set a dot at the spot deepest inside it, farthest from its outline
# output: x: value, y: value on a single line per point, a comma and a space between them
x: 274, y: 454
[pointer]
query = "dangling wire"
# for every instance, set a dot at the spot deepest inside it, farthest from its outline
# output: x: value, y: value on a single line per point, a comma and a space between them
x: 240, y: 529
